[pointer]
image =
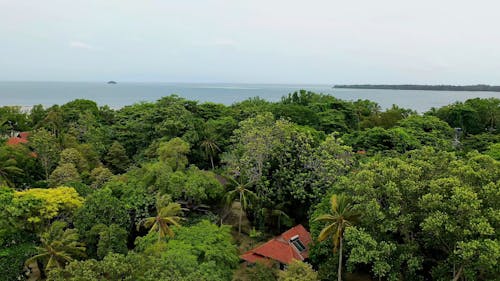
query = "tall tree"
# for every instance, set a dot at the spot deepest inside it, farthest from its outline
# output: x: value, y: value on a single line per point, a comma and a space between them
x: 210, y: 149
x: 341, y: 216
x: 174, y: 153
x: 46, y: 147
x: 117, y: 158
x: 8, y: 167
x: 243, y: 194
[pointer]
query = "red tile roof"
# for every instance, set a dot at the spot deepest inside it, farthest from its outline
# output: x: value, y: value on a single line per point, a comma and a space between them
x: 20, y: 138
x: 280, y: 248
x: 16, y: 140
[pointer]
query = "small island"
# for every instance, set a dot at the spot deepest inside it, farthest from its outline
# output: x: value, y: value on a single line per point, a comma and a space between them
x: 475, y: 88
x: 112, y: 82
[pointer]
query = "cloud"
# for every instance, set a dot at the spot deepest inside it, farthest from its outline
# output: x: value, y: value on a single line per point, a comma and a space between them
x: 80, y: 45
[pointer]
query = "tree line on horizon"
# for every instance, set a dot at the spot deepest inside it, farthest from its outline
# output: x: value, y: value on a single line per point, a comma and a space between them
x: 478, y: 87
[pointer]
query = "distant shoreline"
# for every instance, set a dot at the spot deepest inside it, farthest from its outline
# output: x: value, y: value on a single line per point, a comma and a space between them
x: 471, y: 88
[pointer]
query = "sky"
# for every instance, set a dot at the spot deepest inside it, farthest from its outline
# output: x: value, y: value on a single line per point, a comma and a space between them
x: 252, y: 41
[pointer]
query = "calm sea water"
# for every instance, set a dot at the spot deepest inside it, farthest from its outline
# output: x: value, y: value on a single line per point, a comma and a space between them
x: 48, y: 93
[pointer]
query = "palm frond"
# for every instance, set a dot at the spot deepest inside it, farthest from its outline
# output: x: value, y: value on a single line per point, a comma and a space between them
x: 326, y: 232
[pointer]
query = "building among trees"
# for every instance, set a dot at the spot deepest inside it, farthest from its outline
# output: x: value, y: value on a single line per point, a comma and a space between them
x: 291, y: 245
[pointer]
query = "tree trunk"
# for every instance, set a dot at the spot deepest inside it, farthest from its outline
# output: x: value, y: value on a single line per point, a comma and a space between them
x: 241, y: 215
x: 212, y: 161
x: 339, y: 273
x: 459, y: 273
x: 279, y: 223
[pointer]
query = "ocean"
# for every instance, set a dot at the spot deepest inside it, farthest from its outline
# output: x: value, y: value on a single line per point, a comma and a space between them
x: 27, y: 94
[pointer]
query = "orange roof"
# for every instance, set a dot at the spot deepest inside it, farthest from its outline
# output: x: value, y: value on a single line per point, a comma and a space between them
x: 280, y: 248
x: 16, y: 140
x: 22, y: 137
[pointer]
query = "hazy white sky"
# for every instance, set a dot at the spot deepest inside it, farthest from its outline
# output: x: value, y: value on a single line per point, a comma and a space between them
x: 273, y: 41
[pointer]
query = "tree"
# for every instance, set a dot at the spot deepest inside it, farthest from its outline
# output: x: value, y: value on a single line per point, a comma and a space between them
x: 8, y: 167
x: 166, y: 216
x: 174, y: 153
x: 112, y: 239
x: 60, y: 246
x: 425, y: 213
x: 194, y: 186
x: 210, y: 149
x: 101, y: 207
x: 100, y: 176
x: 342, y: 215
x: 494, y: 151
x: 63, y: 174
x: 243, y: 194
x: 46, y: 147
x: 278, y: 213
x: 116, y: 158
x: 73, y: 156
x: 298, y: 271
x: 200, y: 252
x: 36, y: 207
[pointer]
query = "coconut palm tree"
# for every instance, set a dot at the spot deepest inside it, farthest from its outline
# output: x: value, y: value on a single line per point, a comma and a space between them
x: 278, y: 213
x: 342, y: 215
x: 165, y: 217
x: 60, y: 246
x: 243, y: 194
x: 210, y: 149
x: 8, y: 167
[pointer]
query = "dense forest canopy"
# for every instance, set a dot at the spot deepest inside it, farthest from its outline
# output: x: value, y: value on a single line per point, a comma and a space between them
x: 176, y: 189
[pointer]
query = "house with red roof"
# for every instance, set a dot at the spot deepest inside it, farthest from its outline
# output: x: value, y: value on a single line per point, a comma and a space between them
x: 291, y: 245
x: 18, y: 139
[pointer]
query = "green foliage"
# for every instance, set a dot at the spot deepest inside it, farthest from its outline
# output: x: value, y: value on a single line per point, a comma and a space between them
x: 34, y: 208
x: 428, y: 213
x: 298, y: 271
x: 428, y: 130
x: 46, y: 147
x: 73, y: 109
x: 100, y: 176
x: 101, y: 207
x: 117, y: 158
x: 112, y: 239
x: 174, y: 153
x: 9, y: 167
x: 15, y: 247
x: 64, y: 174
x: 200, y: 252
x: 166, y: 217
x: 419, y: 203
x: 260, y: 271
x: 494, y: 151
x: 137, y: 126
x: 73, y: 156
x: 474, y: 116
x: 194, y: 185
x: 210, y: 244
x: 378, y: 139
x: 59, y: 246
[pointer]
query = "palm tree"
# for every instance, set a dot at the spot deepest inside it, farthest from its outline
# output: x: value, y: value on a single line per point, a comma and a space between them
x: 342, y: 215
x: 210, y: 148
x: 166, y: 216
x: 8, y: 168
x: 59, y: 247
x: 243, y: 193
x: 277, y: 212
